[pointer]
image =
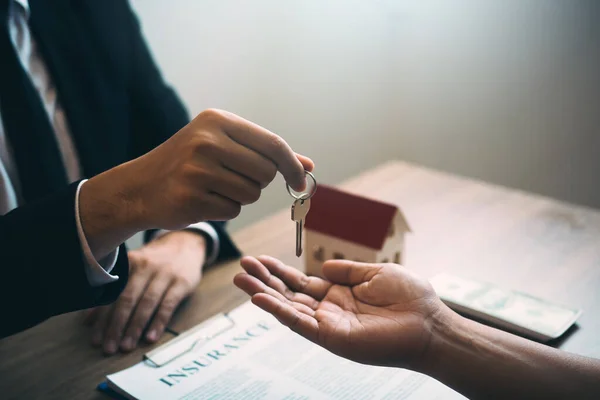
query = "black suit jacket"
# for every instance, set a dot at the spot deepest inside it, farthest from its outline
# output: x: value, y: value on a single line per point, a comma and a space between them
x: 118, y: 107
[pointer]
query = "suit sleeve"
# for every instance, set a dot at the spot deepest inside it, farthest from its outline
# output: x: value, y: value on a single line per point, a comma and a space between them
x: 157, y: 113
x: 43, y: 268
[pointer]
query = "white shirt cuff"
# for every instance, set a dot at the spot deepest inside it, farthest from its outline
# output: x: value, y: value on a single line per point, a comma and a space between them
x: 211, y: 253
x: 97, y: 271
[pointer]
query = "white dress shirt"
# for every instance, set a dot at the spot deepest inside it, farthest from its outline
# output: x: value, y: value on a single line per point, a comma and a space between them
x: 97, y: 271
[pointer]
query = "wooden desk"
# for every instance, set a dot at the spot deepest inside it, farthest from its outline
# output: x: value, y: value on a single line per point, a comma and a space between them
x: 517, y: 240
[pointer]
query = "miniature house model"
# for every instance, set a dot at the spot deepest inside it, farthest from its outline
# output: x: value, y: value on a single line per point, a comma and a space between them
x: 341, y: 225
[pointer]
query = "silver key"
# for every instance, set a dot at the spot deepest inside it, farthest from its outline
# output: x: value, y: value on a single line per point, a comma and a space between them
x: 299, y: 210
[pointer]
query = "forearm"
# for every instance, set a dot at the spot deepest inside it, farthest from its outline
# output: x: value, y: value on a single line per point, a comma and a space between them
x: 109, y: 214
x: 482, y: 362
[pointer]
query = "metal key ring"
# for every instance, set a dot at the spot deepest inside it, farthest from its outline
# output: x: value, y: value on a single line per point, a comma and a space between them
x: 305, y: 195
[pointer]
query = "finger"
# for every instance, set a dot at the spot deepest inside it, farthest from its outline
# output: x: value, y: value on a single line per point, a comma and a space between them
x: 297, y: 321
x: 307, y: 163
x: 257, y: 269
x: 144, y: 311
x: 349, y: 273
x: 173, y: 297
x: 236, y: 187
x: 219, y: 208
x: 248, y: 283
x: 249, y: 163
x: 253, y: 285
x: 102, y: 316
x: 296, y: 280
x: 123, y: 309
x: 266, y: 143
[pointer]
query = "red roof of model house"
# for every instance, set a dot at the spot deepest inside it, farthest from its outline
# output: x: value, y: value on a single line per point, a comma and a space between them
x: 350, y: 217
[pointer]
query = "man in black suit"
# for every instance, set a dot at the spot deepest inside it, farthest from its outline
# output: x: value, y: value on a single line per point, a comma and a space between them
x: 80, y: 96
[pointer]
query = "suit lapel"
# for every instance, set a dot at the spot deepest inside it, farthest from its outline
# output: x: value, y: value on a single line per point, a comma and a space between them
x: 77, y: 75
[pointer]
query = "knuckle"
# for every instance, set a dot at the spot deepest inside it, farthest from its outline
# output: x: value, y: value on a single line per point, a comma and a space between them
x: 288, y: 293
x: 205, y: 142
x: 212, y: 115
x: 190, y: 171
x: 256, y: 192
x: 264, y: 173
x: 303, y: 283
x: 295, y: 321
x: 233, y: 211
x: 278, y: 142
x: 252, y: 195
x: 167, y: 308
x: 271, y: 172
x: 195, y: 178
x: 126, y: 301
x: 147, y: 303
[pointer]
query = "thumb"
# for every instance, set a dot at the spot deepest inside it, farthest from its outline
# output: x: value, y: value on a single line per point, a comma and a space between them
x: 349, y: 273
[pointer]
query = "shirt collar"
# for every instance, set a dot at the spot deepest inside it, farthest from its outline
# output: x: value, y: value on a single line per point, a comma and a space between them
x: 24, y: 5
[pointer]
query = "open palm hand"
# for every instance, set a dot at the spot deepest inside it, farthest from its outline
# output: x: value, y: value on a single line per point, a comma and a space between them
x: 370, y: 313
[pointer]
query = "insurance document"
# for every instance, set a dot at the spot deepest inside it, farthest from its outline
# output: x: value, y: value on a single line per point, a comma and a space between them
x: 258, y: 358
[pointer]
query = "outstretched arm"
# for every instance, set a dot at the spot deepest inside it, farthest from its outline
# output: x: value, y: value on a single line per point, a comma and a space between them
x: 483, y: 362
x: 382, y: 314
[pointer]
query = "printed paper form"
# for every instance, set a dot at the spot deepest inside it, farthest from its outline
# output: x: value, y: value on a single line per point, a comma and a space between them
x: 261, y: 359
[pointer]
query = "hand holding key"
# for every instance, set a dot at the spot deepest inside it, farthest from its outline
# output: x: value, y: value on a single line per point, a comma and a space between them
x: 300, y: 208
x: 208, y: 170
